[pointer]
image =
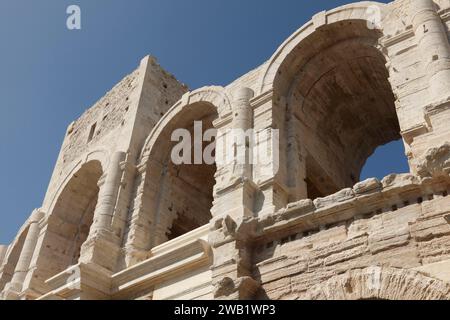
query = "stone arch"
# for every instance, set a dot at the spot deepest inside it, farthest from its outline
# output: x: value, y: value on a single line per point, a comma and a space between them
x: 100, y: 155
x: 166, y: 191
x: 69, y: 220
x: 350, y: 12
x: 384, y: 283
x: 214, y: 95
x: 332, y: 82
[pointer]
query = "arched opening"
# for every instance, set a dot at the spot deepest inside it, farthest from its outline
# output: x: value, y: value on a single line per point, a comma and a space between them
x: 184, y: 186
x: 71, y: 218
x: 338, y: 92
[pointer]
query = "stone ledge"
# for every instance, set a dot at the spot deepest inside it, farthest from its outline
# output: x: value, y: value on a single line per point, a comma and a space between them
x: 70, y: 282
x: 175, y: 257
x: 343, y: 205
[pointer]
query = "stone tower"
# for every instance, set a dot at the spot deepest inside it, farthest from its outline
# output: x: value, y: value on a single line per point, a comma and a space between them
x: 120, y: 220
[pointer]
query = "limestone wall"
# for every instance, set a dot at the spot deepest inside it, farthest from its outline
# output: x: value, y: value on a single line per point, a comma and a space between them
x: 103, y: 121
x: 336, y: 89
x: 114, y: 128
x: 194, y: 285
x: 119, y: 121
x: 159, y: 91
x: 395, y: 224
x: 249, y: 80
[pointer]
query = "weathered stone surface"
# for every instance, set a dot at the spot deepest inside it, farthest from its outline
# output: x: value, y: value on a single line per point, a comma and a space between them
x: 429, y: 228
x: 399, y: 181
x: 333, y: 199
x: 386, y: 239
x: 280, y: 267
x: 380, y: 283
x: 436, y: 162
x: 3, y: 250
x: 407, y: 237
x: 367, y: 186
x: 122, y: 220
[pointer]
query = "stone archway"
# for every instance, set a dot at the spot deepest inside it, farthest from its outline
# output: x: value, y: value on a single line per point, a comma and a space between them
x: 68, y: 223
x: 331, y: 81
x: 215, y: 96
x: 287, y: 50
x: 345, y: 109
x: 173, y: 199
x: 383, y: 283
x: 12, y: 257
x: 185, y: 196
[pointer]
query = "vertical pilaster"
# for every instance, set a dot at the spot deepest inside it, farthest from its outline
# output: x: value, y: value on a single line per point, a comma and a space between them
x: 430, y: 152
x: 14, y: 288
x: 108, y: 195
x: 296, y: 161
x: 138, y: 239
x: 234, y: 195
x: 103, y: 245
x: 432, y: 40
x: 233, y: 204
x: 243, y: 138
x: 270, y: 175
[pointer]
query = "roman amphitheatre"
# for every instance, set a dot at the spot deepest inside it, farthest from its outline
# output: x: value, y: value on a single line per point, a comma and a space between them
x: 121, y: 221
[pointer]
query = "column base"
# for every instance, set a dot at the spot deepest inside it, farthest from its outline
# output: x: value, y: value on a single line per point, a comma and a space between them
x: 101, y: 250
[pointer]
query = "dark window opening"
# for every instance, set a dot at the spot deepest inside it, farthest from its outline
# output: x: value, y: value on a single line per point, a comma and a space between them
x: 92, y: 132
x: 72, y: 218
x: 341, y: 95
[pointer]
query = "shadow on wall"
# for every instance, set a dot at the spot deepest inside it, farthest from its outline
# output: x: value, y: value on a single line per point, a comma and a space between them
x: 341, y: 105
x: 70, y: 221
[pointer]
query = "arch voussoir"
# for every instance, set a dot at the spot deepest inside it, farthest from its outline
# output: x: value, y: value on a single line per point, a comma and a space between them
x: 215, y: 96
x: 384, y: 283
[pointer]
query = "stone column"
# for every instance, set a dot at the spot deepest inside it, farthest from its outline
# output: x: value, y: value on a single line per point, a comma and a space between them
x: 270, y: 174
x: 14, y: 288
x: 296, y: 162
x: 234, y: 190
x: 430, y: 152
x: 108, y: 195
x: 434, y: 47
x: 234, y: 200
x: 103, y: 245
x: 140, y: 235
x: 242, y: 122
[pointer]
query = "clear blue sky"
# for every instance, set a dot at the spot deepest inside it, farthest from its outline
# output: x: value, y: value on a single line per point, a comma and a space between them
x: 50, y: 75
